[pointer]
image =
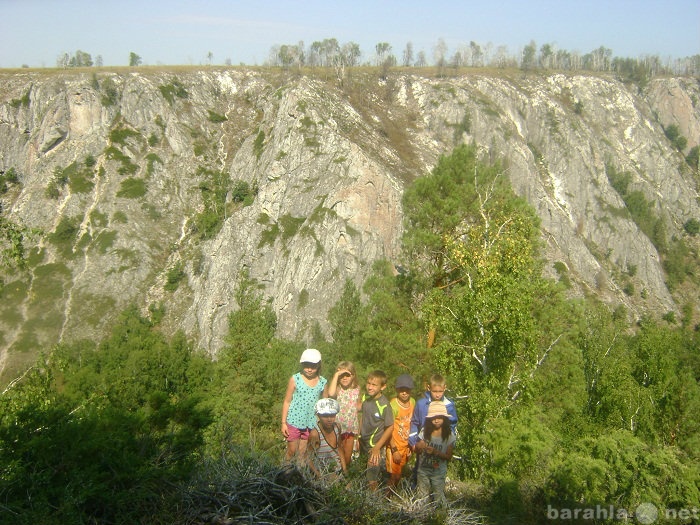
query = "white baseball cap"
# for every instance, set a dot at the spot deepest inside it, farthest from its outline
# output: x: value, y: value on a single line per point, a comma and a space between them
x: 327, y: 407
x: 310, y: 355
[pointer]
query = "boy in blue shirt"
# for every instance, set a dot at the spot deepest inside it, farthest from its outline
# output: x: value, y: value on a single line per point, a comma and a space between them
x: 436, y: 392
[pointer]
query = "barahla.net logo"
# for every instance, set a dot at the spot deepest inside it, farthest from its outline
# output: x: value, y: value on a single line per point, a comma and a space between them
x: 644, y: 514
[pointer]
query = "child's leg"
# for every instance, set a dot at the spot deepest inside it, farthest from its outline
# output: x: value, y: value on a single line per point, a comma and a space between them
x: 296, y: 443
x: 438, y: 483
x: 347, y: 445
x: 301, y: 449
x: 422, y: 484
x: 292, y: 447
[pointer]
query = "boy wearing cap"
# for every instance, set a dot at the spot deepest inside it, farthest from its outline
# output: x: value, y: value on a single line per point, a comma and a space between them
x: 298, y: 408
x: 376, y: 424
x: 325, y: 459
x: 398, y: 451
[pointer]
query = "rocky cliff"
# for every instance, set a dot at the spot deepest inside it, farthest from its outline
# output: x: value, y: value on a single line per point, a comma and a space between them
x: 161, y: 187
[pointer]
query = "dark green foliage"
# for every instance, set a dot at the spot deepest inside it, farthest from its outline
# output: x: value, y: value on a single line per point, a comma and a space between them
x: 242, y: 192
x: 8, y: 178
x: 12, y: 243
x: 173, y: 278
x: 79, y: 177
x: 290, y: 225
x: 258, y: 144
x: 21, y: 102
x: 255, y: 368
x: 121, y: 135
x: 127, y: 167
x: 102, y: 436
x: 152, y: 158
x: 65, y: 236
x: 693, y: 157
x: 633, y: 70
x: 674, y: 135
x: 132, y: 188
x: 214, y: 187
x: 173, y: 90
x: 680, y: 263
x: 692, y: 227
x: 215, y: 117
x: 641, y: 210
x: 110, y: 94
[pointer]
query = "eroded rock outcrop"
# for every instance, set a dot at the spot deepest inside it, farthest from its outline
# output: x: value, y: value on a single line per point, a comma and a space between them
x: 114, y: 169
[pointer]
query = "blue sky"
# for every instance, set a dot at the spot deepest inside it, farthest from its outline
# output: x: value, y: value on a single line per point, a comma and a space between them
x: 36, y: 32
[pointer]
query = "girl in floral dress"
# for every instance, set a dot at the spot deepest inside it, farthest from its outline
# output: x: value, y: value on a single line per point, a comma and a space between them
x: 344, y: 387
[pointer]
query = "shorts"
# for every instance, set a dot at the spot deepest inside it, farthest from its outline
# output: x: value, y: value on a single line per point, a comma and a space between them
x: 397, y: 468
x: 295, y: 434
x: 346, y: 435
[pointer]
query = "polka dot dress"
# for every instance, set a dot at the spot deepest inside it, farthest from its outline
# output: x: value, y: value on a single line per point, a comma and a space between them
x: 301, y: 413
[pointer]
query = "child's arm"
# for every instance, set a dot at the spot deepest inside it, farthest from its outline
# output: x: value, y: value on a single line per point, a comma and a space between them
x: 332, y: 386
x: 291, y: 386
x: 415, y: 425
x: 447, y: 455
x: 376, y: 449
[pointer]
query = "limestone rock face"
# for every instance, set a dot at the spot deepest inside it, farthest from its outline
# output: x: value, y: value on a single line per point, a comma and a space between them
x: 115, y: 168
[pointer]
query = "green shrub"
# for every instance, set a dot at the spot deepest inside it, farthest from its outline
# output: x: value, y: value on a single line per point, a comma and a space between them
x: 132, y: 188
x: 152, y: 158
x: 173, y: 278
x: 290, y: 225
x: 20, y: 102
x: 258, y: 144
x: 127, y: 167
x: 242, y: 192
x: 692, y: 227
x: 173, y: 90
x: 214, y: 187
x: 110, y: 95
x: 52, y: 191
x: 215, y: 117
x: 303, y: 298
x: 120, y: 217
x: 105, y: 240
x: 269, y: 235
x: 693, y: 158
x: 98, y: 219
x: 674, y: 135
x: 121, y: 135
x: 65, y: 235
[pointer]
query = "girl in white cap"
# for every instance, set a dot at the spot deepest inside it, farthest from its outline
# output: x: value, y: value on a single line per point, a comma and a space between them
x: 298, y: 415
x: 435, y: 445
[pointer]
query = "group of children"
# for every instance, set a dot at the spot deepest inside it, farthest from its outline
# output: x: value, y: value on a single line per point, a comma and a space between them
x: 326, y: 422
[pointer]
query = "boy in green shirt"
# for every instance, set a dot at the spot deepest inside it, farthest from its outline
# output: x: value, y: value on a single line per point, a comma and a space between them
x: 377, y: 423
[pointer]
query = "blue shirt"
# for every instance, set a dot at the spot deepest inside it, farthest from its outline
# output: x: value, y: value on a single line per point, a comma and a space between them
x: 421, y: 410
